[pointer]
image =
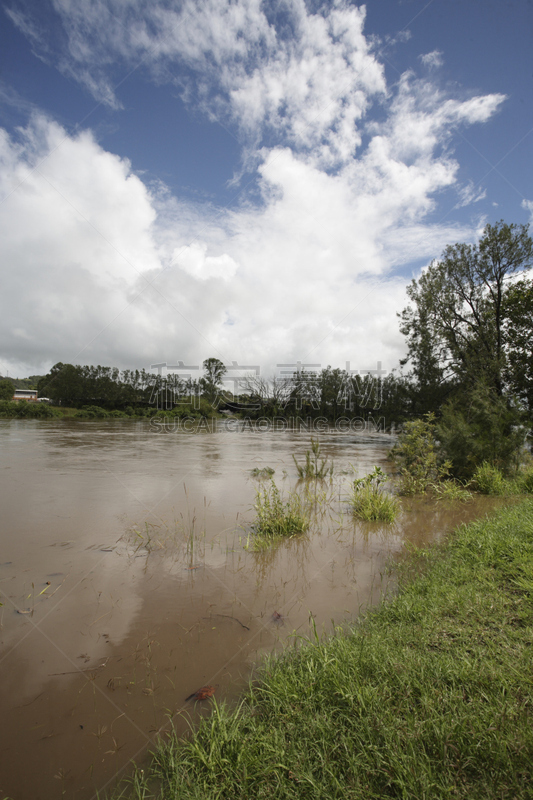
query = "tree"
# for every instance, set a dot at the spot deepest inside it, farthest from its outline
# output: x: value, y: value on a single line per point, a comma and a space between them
x: 518, y: 326
x: 7, y: 389
x: 480, y: 426
x: 211, y: 383
x: 456, y: 324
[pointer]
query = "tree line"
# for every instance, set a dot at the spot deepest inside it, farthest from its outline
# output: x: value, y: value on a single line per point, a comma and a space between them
x: 469, y: 333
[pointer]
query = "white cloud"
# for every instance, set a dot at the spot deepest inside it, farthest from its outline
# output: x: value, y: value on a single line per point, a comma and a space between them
x: 528, y: 205
x: 469, y: 194
x: 432, y: 60
x: 104, y: 270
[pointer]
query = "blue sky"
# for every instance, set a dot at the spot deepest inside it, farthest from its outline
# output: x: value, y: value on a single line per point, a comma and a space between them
x: 255, y: 181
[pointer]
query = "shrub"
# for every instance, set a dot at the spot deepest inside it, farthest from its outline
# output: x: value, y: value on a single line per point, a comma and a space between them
x: 91, y: 412
x: 22, y: 408
x: 488, y: 479
x: 417, y: 457
x: 524, y: 481
x: 275, y: 518
x: 369, y: 502
x: 480, y: 427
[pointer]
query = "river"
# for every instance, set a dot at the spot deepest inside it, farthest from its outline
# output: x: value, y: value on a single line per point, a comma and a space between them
x: 126, y: 582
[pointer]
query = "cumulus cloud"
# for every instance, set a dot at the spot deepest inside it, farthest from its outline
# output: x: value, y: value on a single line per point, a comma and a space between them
x: 108, y: 270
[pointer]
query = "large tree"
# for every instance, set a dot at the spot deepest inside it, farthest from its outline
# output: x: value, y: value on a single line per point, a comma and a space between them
x: 518, y: 326
x: 457, y: 323
x: 7, y: 389
x: 211, y: 383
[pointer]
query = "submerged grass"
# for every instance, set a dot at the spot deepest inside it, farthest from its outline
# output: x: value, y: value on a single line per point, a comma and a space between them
x: 369, y: 501
x: 430, y: 696
x: 276, y: 518
x: 315, y: 466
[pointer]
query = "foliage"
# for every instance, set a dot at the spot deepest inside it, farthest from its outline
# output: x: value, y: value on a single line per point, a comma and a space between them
x: 211, y: 383
x: 23, y: 410
x: 7, y: 389
x: 488, y: 479
x: 429, y: 696
x: 276, y: 518
x: 417, y: 458
x: 262, y: 472
x: 315, y: 466
x: 524, y: 481
x: 457, y: 324
x: 369, y: 502
x: 91, y: 412
x: 451, y: 490
x: 518, y: 327
x: 479, y: 426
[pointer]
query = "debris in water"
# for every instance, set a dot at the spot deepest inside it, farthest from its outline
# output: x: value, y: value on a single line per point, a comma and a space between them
x: 202, y: 694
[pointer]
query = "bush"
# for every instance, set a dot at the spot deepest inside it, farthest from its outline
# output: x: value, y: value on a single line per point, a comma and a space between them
x: 275, y: 518
x: 524, y: 481
x: 25, y: 410
x: 480, y: 427
x: 91, y: 412
x: 369, y: 502
x: 417, y: 457
x: 488, y: 479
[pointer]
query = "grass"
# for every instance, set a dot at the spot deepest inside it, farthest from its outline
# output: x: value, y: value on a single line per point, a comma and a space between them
x: 276, y: 518
x: 451, y: 490
x: 489, y: 480
x: 315, y: 466
x: 430, y: 696
x: 368, y: 500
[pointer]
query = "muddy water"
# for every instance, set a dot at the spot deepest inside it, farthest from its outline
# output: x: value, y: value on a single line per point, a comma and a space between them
x: 126, y: 583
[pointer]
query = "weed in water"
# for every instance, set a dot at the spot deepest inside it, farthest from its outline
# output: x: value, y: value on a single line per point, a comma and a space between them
x: 276, y: 518
x: 451, y: 490
x: 368, y: 500
x: 265, y: 472
x: 315, y: 466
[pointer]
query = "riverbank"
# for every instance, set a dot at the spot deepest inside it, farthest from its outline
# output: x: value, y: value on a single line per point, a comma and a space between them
x: 431, y: 696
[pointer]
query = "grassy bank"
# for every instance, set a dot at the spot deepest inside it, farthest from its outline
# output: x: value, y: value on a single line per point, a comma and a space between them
x: 431, y: 696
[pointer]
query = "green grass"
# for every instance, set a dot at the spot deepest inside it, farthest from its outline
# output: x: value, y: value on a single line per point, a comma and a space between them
x: 275, y: 517
x: 369, y: 502
x: 315, y: 466
x: 429, y: 697
x: 488, y: 479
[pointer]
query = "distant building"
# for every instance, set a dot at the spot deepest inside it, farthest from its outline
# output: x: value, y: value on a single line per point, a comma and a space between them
x: 25, y: 394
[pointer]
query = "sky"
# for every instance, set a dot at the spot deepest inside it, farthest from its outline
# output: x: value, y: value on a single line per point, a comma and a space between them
x: 254, y: 181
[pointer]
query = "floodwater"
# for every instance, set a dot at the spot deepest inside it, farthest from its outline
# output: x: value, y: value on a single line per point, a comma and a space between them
x: 126, y: 582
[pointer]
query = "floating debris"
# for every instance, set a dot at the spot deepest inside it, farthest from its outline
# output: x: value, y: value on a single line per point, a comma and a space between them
x: 201, y: 694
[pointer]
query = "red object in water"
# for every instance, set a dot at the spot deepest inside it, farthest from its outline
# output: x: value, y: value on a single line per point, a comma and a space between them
x: 276, y: 617
x: 202, y: 694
